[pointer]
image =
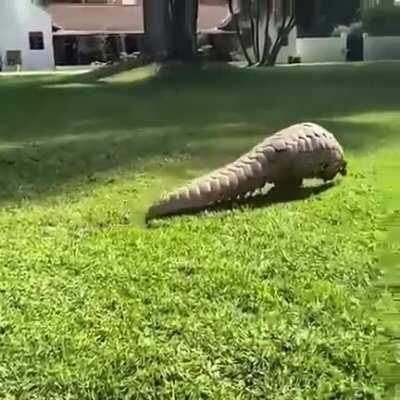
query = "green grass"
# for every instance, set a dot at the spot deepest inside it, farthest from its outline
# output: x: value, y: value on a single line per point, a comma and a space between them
x: 275, y: 302
x: 389, y: 307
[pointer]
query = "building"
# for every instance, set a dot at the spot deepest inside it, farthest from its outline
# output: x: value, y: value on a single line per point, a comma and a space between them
x: 319, y: 18
x: 381, y: 23
x: 37, y: 34
x: 99, y: 30
x: 380, y: 3
x: 25, y: 35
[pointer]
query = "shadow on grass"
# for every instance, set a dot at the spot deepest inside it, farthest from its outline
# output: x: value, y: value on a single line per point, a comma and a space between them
x: 263, y: 200
x: 55, y: 130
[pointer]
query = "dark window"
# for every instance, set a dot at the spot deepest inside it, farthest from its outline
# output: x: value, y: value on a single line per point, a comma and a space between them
x: 36, y: 41
x: 14, y: 57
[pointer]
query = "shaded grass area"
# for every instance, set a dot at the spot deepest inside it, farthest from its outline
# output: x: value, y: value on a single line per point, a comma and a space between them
x: 271, y: 302
x: 95, y: 128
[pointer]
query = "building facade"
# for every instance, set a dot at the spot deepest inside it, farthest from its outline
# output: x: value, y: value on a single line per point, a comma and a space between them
x: 25, y: 35
x: 380, y: 3
x: 86, y: 31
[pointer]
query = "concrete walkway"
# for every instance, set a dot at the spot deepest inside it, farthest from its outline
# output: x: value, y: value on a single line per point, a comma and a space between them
x: 58, y: 71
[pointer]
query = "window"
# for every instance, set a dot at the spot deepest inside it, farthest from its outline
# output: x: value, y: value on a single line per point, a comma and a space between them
x: 14, y: 57
x: 40, y: 3
x: 36, y: 41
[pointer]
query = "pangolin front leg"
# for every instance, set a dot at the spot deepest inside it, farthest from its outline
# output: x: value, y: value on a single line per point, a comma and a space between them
x: 292, y: 183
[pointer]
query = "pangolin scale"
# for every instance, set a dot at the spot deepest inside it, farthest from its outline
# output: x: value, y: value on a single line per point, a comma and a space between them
x: 285, y: 159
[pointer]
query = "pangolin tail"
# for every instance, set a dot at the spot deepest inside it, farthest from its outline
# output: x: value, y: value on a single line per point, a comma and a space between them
x: 224, y: 184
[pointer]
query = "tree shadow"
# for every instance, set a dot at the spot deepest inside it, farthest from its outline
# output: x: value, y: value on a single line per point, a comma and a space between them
x: 263, y: 200
x: 55, y: 131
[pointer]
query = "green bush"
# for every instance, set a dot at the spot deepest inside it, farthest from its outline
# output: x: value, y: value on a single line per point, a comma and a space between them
x: 382, y: 21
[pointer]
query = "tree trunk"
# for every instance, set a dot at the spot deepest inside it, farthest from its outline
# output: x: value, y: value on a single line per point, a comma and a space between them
x: 266, y: 36
x: 234, y: 13
x: 184, y: 15
x: 264, y: 29
x: 157, y: 28
x: 170, y: 29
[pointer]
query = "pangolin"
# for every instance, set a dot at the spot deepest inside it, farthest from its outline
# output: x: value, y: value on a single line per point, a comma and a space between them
x: 301, y: 151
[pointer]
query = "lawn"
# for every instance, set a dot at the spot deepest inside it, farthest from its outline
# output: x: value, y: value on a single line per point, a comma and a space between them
x: 273, y: 301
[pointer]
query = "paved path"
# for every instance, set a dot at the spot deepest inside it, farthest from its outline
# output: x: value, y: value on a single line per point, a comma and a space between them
x: 58, y: 71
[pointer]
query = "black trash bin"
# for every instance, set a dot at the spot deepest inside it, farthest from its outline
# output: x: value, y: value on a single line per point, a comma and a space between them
x: 355, y: 46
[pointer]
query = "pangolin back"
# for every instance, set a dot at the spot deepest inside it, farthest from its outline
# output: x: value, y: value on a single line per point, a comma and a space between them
x: 301, y: 151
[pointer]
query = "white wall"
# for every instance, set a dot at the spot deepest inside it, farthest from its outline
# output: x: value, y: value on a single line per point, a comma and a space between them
x: 381, y: 48
x: 326, y: 49
x: 17, y: 19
